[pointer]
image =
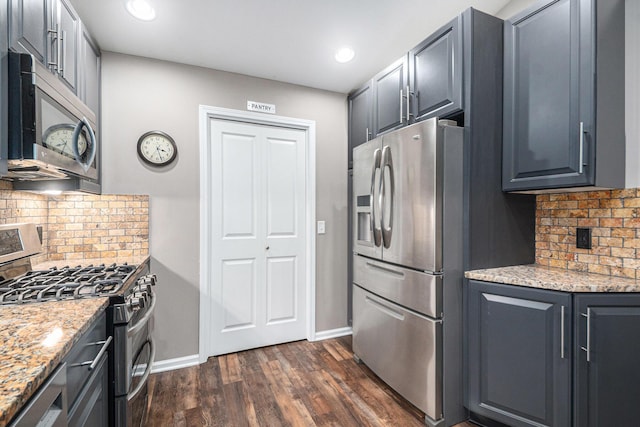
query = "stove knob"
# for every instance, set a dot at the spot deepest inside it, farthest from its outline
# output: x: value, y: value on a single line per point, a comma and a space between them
x: 150, y: 279
x: 136, y: 303
x: 142, y: 296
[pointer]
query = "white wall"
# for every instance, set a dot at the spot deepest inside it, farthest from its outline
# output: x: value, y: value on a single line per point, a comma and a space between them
x: 139, y: 95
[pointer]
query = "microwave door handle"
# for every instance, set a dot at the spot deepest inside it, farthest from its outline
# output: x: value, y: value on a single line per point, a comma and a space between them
x: 91, y: 145
x: 388, y: 197
x: 377, y: 233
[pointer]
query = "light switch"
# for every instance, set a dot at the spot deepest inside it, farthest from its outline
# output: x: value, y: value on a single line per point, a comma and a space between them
x: 321, y: 227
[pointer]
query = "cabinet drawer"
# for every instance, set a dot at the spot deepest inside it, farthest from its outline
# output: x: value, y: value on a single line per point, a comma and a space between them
x: 402, y: 347
x: 91, y: 407
x: 85, y: 350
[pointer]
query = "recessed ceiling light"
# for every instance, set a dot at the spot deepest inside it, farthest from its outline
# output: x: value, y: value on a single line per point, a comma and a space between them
x: 344, y: 54
x: 141, y: 9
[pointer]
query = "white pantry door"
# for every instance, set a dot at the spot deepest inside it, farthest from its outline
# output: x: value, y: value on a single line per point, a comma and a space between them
x: 258, y: 235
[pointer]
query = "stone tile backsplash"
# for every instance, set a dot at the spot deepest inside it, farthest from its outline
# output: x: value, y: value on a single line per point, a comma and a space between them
x: 79, y: 226
x: 613, y: 216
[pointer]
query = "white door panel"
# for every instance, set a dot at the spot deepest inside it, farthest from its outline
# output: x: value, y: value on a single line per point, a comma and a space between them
x: 258, y: 241
x: 282, y: 187
x: 238, y: 294
x: 238, y: 182
x: 281, y: 290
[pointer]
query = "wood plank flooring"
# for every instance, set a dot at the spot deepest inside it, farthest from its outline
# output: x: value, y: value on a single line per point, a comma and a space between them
x: 295, y: 384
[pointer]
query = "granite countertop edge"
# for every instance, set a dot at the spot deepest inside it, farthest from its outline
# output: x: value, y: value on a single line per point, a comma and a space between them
x: 543, y: 277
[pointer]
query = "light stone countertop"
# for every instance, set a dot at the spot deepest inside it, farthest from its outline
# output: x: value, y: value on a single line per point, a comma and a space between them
x: 35, y: 338
x: 537, y: 276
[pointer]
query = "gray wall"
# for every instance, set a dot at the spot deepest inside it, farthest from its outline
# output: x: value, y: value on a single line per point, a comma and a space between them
x: 513, y: 7
x: 139, y: 95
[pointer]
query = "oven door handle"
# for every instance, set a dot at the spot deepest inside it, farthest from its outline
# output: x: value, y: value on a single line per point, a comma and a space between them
x: 145, y: 376
x: 143, y: 321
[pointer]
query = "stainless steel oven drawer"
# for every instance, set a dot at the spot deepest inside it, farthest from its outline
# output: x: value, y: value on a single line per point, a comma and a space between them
x: 416, y: 290
x: 402, y: 347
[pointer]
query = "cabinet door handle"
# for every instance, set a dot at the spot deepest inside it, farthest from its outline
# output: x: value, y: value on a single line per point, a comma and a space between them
x: 93, y: 363
x: 53, y: 41
x: 409, y: 93
x: 581, y: 159
x: 61, y: 52
x: 587, y: 349
x: 366, y: 134
x: 562, y: 332
x: 401, y: 115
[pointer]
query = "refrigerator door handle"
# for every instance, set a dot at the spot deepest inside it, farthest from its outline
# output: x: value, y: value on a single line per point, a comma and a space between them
x: 387, y: 227
x: 377, y: 232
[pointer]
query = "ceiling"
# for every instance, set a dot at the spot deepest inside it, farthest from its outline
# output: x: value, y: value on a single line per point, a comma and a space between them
x: 291, y: 41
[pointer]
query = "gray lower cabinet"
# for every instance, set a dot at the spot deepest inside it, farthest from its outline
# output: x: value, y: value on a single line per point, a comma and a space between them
x: 76, y: 394
x: 519, y: 354
x: 87, y: 377
x: 564, y: 96
x: 607, y: 370
x: 522, y: 370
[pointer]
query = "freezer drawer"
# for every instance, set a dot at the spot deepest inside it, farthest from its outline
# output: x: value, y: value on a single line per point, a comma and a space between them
x: 402, y: 347
x: 418, y: 291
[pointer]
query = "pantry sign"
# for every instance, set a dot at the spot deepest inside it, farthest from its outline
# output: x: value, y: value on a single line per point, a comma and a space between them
x: 261, y: 107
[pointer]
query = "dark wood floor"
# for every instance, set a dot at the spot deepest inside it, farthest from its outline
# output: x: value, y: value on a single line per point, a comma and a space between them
x: 294, y: 384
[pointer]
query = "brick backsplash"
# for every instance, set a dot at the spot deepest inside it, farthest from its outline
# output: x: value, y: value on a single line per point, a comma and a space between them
x: 79, y: 226
x: 613, y: 216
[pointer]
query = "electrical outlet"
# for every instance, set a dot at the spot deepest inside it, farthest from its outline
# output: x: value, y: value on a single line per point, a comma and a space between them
x: 321, y: 227
x: 583, y: 238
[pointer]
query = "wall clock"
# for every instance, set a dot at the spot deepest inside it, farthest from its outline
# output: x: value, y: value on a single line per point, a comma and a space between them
x: 157, y: 148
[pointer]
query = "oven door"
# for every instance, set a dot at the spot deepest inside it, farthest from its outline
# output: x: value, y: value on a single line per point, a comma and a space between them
x: 137, y: 399
x: 134, y: 355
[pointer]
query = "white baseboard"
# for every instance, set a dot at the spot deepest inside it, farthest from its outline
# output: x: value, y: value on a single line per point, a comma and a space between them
x: 177, y: 363
x: 332, y: 333
x: 194, y: 359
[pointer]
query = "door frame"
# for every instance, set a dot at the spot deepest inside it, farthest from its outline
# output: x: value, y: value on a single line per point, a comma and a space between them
x: 206, y: 113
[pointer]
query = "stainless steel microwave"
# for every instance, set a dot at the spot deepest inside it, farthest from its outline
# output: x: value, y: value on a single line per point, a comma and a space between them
x: 52, y: 134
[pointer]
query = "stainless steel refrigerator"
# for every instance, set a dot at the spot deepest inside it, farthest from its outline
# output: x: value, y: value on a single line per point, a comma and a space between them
x: 407, y: 258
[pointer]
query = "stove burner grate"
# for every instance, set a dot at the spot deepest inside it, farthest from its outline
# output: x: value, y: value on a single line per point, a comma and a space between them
x: 65, y: 283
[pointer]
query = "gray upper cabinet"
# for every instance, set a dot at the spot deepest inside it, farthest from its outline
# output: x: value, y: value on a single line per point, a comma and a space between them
x: 390, y: 97
x: 435, y: 73
x: 558, y: 57
x: 30, y: 23
x: 360, y: 117
x: 607, y: 372
x: 519, y: 354
x: 69, y: 35
x: 50, y: 31
x: 89, y: 83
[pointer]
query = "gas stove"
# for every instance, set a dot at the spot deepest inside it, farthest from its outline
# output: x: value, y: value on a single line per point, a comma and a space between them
x: 67, y: 283
x: 129, y: 314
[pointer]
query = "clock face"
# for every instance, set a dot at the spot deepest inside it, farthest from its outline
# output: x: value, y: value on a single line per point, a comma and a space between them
x: 59, y: 137
x: 157, y: 148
